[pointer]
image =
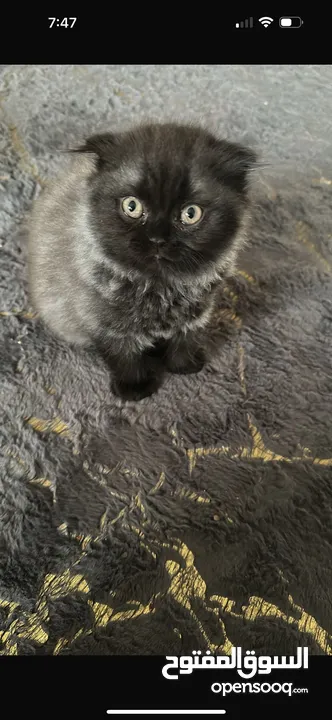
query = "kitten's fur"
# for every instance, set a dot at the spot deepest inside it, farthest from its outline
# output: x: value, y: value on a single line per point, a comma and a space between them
x: 94, y: 275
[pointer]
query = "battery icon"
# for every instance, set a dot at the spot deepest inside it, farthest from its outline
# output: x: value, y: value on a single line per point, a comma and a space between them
x: 290, y: 22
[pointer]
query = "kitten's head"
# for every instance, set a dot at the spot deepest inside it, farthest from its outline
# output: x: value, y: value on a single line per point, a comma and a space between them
x: 168, y: 199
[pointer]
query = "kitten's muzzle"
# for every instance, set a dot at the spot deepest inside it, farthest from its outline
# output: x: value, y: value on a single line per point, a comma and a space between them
x: 157, y: 240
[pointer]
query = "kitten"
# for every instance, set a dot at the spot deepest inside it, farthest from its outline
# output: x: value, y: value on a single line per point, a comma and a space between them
x: 127, y: 249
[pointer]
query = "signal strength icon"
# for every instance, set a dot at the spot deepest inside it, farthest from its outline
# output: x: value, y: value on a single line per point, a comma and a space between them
x: 249, y: 22
x: 265, y: 21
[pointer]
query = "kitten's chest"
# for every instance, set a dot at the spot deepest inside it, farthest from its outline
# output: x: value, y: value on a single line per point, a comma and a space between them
x: 156, y: 312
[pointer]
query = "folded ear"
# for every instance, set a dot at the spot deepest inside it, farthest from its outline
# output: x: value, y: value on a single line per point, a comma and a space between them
x: 100, y: 145
x: 233, y: 164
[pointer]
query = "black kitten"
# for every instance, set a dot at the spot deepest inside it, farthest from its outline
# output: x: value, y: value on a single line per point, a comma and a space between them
x: 128, y: 248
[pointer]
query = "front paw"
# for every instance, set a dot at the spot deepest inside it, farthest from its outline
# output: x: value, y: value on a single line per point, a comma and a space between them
x: 134, y: 391
x: 185, y: 364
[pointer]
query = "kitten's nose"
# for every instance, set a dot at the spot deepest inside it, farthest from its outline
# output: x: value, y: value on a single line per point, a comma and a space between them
x: 157, y: 240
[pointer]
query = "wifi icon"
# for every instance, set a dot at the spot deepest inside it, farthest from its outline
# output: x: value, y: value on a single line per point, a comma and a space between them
x: 265, y: 21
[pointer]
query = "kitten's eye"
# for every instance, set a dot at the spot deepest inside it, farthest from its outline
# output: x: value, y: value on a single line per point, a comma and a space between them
x: 191, y: 214
x: 132, y: 207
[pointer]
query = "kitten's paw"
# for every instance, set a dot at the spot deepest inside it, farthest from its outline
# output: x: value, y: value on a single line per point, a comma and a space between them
x: 135, y: 391
x: 186, y: 365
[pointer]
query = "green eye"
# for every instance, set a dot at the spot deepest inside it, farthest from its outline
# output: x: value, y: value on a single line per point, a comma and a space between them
x: 191, y: 214
x: 132, y: 207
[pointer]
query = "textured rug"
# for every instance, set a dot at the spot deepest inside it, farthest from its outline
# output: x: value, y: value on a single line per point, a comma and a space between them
x: 200, y: 517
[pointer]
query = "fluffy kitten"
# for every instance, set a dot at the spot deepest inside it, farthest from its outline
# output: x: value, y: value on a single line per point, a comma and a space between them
x: 128, y: 248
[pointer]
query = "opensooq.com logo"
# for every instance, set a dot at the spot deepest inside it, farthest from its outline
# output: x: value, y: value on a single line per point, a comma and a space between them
x: 246, y: 665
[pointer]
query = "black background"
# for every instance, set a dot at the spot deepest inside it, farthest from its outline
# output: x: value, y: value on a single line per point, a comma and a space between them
x: 166, y: 33
x: 85, y: 687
